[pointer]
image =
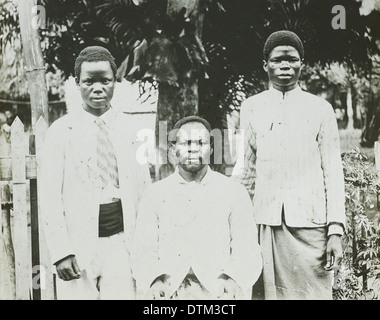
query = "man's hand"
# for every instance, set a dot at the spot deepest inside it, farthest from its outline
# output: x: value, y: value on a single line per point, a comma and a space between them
x: 159, y: 289
x: 334, y: 252
x: 228, y: 289
x: 68, y: 268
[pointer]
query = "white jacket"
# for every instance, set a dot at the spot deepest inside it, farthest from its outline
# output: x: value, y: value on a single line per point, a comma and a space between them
x: 292, y: 159
x: 207, y: 226
x: 70, y: 186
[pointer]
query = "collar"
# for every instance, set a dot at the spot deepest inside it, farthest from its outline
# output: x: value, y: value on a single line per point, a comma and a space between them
x: 108, y: 117
x: 209, y: 177
x: 285, y: 95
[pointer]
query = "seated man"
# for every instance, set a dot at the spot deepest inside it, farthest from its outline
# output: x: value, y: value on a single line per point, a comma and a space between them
x: 196, y: 236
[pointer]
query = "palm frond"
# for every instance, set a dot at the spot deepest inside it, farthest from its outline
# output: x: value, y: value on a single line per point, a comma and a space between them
x: 156, y: 46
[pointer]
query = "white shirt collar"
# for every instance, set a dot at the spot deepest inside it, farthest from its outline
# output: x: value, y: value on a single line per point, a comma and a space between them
x: 285, y: 95
x: 108, y: 117
x: 206, y: 179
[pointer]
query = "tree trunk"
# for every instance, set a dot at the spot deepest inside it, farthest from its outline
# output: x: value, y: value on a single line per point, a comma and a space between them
x: 35, y: 72
x: 175, y: 103
x: 34, y: 62
x: 371, y: 129
x: 350, y: 111
x: 356, y: 106
x: 7, y: 261
x: 371, y: 123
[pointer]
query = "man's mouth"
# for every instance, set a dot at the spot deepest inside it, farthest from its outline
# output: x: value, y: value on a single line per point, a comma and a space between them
x: 193, y: 159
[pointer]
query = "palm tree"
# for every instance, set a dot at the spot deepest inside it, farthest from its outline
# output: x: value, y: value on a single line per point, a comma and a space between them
x: 12, y: 85
x: 161, y: 41
x: 208, y: 59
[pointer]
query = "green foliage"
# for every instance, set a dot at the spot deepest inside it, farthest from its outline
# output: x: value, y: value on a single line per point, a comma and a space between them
x: 9, y: 28
x: 150, y: 45
x: 360, y: 268
x: 237, y: 36
x: 227, y: 57
x: 71, y: 26
x: 11, y: 63
x: 157, y: 45
x: 13, y: 84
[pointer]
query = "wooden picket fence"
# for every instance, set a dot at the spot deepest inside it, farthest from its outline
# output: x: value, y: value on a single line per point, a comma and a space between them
x: 22, y: 242
x: 21, y: 233
x: 377, y: 155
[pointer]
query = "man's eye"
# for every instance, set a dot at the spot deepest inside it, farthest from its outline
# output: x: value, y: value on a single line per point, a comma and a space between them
x: 106, y: 81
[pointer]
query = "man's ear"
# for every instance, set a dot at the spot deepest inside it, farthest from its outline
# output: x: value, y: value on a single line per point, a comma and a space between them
x: 212, y: 141
x: 77, y: 82
x: 265, y: 65
x: 302, y: 64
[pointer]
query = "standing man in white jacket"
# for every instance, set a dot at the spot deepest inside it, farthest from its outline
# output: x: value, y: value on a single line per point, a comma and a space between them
x: 195, y: 236
x: 292, y: 168
x: 90, y: 186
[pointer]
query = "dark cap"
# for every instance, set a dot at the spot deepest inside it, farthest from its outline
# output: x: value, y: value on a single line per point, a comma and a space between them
x: 185, y: 120
x: 283, y: 38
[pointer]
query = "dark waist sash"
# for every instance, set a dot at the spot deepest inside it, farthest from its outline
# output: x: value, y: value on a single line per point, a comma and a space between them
x: 110, y: 219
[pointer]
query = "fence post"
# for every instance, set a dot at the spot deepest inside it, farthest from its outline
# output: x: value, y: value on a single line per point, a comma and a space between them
x: 3, y: 264
x: 47, y: 290
x: 7, y: 267
x: 21, y: 240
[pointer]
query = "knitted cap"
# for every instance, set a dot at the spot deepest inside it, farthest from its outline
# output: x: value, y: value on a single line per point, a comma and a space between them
x: 189, y: 119
x: 183, y: 121
x: 283, y: 38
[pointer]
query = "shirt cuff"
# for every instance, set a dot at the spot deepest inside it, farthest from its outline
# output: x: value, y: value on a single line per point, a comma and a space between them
x: 335, y: 229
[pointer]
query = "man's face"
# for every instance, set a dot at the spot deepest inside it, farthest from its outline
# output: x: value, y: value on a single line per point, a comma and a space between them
x: 192, y: 147
x: 283, y: 67
x: 96, y: 85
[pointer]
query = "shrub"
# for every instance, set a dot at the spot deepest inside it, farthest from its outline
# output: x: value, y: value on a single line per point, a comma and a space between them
x: 359, y: 274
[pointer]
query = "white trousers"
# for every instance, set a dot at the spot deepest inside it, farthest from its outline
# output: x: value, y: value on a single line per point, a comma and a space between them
x: 107, y: 278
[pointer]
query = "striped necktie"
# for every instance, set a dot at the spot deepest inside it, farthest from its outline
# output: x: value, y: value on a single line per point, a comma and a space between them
x: 106, y: 158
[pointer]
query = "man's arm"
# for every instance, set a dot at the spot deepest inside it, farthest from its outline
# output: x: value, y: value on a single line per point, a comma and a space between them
x: 329, y: 146
x: 143, y: 178
x: 245, y: 254
x: 144, y: 254
x: 50, y: 184
x: 245, y: 168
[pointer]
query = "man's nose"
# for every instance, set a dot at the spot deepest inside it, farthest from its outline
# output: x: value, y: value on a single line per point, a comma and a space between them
x: 193, y: 147
x: 285, y: 65
x: 97, y: 88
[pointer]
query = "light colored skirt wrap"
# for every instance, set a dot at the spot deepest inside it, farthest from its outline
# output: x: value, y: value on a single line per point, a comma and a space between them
x: 293, y: 263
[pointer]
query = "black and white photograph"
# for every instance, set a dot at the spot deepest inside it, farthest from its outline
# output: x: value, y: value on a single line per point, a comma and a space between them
x: 200, y: 152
